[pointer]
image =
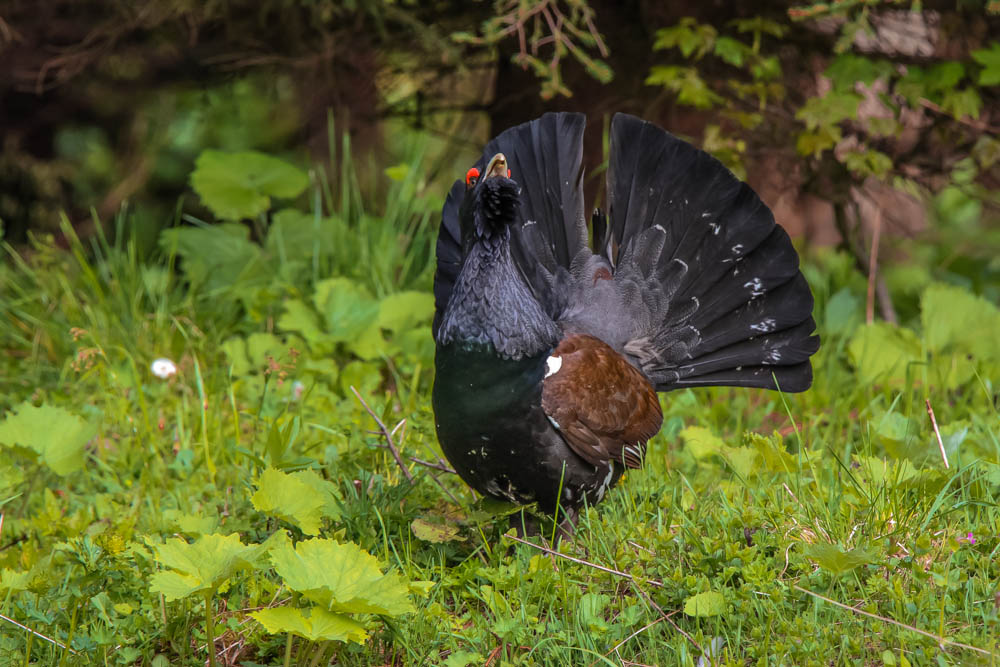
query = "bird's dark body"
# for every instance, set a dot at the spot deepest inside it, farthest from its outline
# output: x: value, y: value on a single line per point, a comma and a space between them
x: 550, y: 351
x: 492, y: 428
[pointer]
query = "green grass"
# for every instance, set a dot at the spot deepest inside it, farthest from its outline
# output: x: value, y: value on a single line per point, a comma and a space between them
x: 782, y: 505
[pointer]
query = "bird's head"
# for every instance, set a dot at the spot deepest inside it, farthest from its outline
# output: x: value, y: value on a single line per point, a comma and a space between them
x: 495, y: 197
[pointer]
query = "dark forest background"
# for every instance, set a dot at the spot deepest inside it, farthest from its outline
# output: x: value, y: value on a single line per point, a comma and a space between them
x: 833, y: 112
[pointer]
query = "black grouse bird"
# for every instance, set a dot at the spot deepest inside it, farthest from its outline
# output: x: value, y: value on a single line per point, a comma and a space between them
x: 550, y: 354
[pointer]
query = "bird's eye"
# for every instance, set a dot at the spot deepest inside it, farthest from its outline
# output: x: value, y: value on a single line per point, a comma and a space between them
x: 471, y: 178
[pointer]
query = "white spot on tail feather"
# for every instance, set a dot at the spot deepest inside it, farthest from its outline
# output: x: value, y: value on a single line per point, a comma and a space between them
x: 552, y: 365
x: 553, y: 422
x: 765, y: 325
x: 756, y: 287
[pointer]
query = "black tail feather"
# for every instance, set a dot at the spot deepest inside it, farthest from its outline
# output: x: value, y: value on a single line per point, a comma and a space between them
x: 449, y: 251
x: 545, y: 157
x: 789, y: 379
x: 736, y: 308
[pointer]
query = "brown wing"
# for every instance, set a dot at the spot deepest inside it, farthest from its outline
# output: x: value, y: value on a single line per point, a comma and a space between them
x: 604, y: 407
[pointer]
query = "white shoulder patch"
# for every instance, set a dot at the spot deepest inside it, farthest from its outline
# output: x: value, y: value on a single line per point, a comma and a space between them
x: 552, y: 365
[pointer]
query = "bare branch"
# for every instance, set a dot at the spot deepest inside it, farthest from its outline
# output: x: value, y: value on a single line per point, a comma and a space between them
x: 942, y: 641
x: 387, y: 435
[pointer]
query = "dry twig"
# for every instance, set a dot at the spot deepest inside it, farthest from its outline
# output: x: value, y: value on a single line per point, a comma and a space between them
x: 37, y: 634
x: 387, y: 435
x: 942, y: 641
x: 873, y: 268
x: 930, y: 411
x: 602, y: 568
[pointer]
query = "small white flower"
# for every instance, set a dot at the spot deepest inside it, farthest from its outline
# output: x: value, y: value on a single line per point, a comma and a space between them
x: 298, y: 388
x: 163, y: 368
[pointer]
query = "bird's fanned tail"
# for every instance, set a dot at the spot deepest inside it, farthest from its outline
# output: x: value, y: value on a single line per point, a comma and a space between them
x: 736, y: 309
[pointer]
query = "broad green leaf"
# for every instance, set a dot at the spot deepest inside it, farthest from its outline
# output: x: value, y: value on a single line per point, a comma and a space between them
x: 123, y: 608
x: 297, y: 236
x: 760, y: 25
x: 731, y: 51
x: 347, y: 308
x: 944, y: 76
x: 341, y: 577
x: 701, y: 442
x: 363, y: 376
x: 880, y: 472
x: 191, y: 524
x: 832, y: 558
x: 302, y: 498
x: 421, y: 588
x: 56, y: 435
x: 236, y: 350
x: 301, y: 318
x: 488, y: 509
x: 953, y: 435
x: 847, y: 69
x: 369, y: 344
x: 176, y: 585
x: 709, y: 603
x: 434, y: 532
x: 463, y: 659
x: 773, y: 454
x: 912, y: 86
x: 814, y: 142
x: 404, y: 310
x: 890, y: 659
x: 690, y: 37
x: 691, y: 89
x: 201, y: 566
x: 264, y: 346
x: 986, y: 152
x: 216, y: 257
x: 868, y: 163
x: 324, y: 369
x: 591, y: 612
x: 843, y: 313
x: 962, y: 102
x: 829, y: 109
x: 881, y: 352
x: 12, y: 582
x: 954, y: 319
x: 313, y: 623
x: 766, y: 69
x: 11, y: 477
x: 240, y: 185
x: 326, y: 489
x: 958, y: 207
x: 892, y: 432
x: 990, y: 60
x: 744, y: 461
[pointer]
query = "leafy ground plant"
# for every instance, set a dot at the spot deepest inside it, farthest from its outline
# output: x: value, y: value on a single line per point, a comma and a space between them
x: 247, y: 509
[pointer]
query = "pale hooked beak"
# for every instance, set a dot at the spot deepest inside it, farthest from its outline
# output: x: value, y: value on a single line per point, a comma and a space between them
x: 496, y: 167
